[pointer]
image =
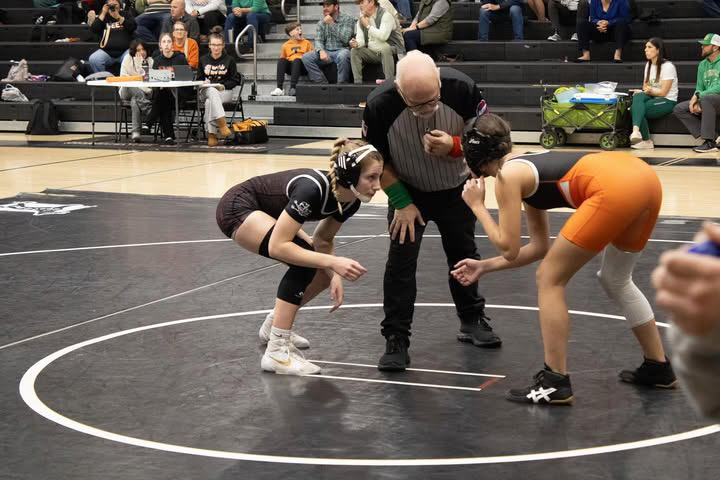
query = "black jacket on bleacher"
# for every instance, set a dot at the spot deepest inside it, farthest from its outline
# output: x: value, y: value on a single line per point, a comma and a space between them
x: 114, y: 37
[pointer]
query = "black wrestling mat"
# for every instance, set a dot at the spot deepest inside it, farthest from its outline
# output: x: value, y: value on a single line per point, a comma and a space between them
x: 129, y: 350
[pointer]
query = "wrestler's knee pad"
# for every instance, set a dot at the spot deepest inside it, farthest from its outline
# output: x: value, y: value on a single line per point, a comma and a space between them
x: 293, y: 284
x: 615, y: 276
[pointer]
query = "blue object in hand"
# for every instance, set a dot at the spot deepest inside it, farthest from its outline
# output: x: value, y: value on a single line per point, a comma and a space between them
x: 706, y: 248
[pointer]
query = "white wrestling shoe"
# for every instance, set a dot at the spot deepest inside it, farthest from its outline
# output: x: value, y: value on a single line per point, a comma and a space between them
x: 264, y: 334
x: 281, y: 356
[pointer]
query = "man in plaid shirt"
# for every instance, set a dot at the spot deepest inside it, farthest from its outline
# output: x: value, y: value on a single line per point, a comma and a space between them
x: 332, y: 44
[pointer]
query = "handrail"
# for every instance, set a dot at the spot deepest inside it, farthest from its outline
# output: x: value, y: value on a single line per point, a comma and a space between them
x: 285, y: 14
x: 253, y: 89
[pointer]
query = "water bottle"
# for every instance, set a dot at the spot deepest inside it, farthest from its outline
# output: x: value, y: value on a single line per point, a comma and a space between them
x: 146, y: 70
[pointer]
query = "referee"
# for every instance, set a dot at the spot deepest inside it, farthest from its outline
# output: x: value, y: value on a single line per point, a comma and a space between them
x: 416, y: 122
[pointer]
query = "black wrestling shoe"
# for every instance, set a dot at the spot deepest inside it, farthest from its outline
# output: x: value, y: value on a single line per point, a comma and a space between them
x: 479, y: 333
x: 652, y: 374
x: 550, y: 388
x: 396, y: 358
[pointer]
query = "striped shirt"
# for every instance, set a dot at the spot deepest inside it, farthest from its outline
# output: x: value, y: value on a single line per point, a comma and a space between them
x: 398, y: 134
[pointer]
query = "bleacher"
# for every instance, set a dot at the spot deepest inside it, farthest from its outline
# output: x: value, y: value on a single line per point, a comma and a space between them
x: 511, y: 74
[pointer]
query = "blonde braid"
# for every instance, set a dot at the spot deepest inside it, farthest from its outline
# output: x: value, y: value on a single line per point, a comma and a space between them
x: 337, y: 148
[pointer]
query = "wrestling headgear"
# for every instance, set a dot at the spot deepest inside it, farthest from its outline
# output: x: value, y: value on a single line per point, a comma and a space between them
x: 480, y: 148
x: 347, y: 169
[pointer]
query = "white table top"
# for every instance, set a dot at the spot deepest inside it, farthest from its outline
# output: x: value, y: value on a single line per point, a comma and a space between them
x: 171, y: 84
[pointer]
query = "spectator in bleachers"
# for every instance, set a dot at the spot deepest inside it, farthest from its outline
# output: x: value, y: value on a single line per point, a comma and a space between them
x: 699, y: 114
x: 163, y: 101
x: 402, y: 7
x: 538, y: 8
x: 658, y: 95
x: 181, y: 43
x: 432, y: 25
x: 712, y: 8
x: 178, y: 14
x: 244, y: 12
x: 332, y: 44
x: 609, y: 20
x: 150, y: 22
x: 115, y: 28
x: 132, y: 65
x: 219, y: 68
x: 559, y: 10
x: 495, y: 11
x: 290, y: 61
x: 209, y: 14
x: 376, y: 40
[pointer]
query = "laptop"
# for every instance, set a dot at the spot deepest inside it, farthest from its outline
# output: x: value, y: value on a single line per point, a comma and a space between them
x: 183, y: 73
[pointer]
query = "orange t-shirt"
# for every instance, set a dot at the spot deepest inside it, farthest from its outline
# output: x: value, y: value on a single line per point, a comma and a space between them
x: 293, y: 50
x: 190, y: 49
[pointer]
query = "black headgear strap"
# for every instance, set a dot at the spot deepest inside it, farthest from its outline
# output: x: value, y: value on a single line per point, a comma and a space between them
x: 480, y: 148
x: 347, y: 165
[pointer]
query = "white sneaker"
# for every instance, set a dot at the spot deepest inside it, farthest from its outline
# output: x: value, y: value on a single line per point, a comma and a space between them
x: 635, y: 137
x: 555, y: 37
x: 264, y: 334
x: 643, y: 145
x: 574, y: 37
x: 277, y: 92
x: 282, y: 357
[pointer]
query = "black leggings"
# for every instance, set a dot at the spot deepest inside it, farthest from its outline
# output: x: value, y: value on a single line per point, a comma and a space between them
x: 294, y: 69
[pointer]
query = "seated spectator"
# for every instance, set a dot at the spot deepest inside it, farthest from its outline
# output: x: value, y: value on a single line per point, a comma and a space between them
x: 209, y: 14
x: 402, y: 7
x: 376, y: 40
x: 699, y: 114
x: 244, y: 12
x: 219, y: 68
x: 150, y: 22
x: 115, y: 29
x: 181, y: 43
x: 163, y: 101
x: 495, y: 11
x: 178, y: 14
x: 609, y: 20
x: 658, y: 95
x: 290, y: 61
x: 432, y: 25
x: 563, y: 12
x: 139, y: 98
x: 332, y: 44
x: 712, y: 8
x: 538, y: 8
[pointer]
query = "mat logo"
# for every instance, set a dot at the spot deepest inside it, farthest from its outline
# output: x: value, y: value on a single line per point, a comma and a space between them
x: 303, y: 208
x: 39, y: 209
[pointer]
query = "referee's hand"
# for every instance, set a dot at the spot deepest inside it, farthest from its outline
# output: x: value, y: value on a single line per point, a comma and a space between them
x: 404, y: 222
x: 437, y: 142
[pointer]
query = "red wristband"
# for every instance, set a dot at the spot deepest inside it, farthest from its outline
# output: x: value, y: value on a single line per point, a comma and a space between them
x: 457, y: 150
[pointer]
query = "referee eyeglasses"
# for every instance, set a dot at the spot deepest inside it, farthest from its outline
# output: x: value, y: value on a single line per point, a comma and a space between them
x: 419, y: 107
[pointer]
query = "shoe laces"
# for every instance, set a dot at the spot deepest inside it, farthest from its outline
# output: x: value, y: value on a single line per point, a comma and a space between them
x: 395, y: 344
x: 483, y: 322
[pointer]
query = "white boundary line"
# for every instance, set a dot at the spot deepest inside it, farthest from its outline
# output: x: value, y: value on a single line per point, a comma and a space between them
x: 183, y: 242
x: 448, y: 372
x: 29, y: 396
x: 393, y: 382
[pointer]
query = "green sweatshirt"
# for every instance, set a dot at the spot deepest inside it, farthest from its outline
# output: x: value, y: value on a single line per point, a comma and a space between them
x: 258, y: 6
x: 708, y: 77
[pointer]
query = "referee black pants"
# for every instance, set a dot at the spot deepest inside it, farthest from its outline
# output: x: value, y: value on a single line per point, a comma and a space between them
x: 456, y: 223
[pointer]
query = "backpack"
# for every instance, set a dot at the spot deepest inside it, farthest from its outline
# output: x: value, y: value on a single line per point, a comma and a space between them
x: 13, y: 94
x: 250, y: 131
x: 18, y: 72
x: 44, y: 119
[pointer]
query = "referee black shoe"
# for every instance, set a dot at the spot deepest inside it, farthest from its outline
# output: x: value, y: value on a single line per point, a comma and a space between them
x: 396, y: 358
x: 652, y: 374
x: 479, y: 333
x: 549, y: 388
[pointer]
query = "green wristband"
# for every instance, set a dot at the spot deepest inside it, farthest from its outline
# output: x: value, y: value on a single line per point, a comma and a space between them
x: 398, y: 195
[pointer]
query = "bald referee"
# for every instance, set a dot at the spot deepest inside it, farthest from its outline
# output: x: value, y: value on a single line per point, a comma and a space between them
x: 416, y: 122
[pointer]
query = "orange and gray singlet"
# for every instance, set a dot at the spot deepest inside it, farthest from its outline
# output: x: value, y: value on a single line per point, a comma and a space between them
x: 617, y: 196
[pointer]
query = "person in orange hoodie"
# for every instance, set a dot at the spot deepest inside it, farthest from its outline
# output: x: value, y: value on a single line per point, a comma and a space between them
x: 290, y: 61
x: 183, y: 44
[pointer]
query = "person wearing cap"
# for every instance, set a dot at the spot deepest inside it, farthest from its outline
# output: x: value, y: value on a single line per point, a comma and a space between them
x: 376, y: 40
x: 265, y: 215
x: 332, y: 44
x: 416, y: 122
x: 699, y: 113
x: 606, y: 219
